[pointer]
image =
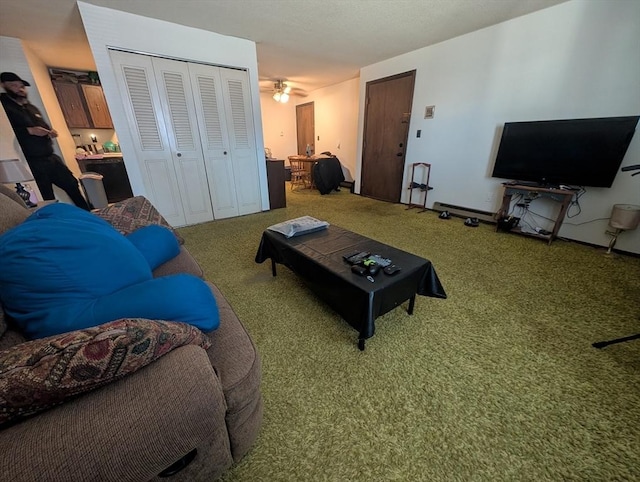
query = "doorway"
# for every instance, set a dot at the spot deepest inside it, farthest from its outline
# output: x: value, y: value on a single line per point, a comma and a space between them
x: 305, y: 128
x: 386, y: 130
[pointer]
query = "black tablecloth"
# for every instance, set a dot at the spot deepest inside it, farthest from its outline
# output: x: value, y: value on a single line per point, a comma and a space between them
x: 318, y: 259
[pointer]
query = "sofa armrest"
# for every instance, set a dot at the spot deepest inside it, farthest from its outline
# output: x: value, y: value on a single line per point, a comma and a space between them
x: 183, y: 263
x: 130, y: 430
x: 39, y: 374
x: 133, y: 213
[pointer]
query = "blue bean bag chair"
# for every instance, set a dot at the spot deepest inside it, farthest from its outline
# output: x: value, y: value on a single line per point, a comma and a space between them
x: 65, y: 269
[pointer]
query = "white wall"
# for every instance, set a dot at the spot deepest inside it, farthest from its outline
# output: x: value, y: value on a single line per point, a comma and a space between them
x: 12, y: 59
x: 111, y: 28
x: 9, y: 147
x: 279, y: 126
x: 574, y: 60
x: 335, y: 121
x: 15, y: 57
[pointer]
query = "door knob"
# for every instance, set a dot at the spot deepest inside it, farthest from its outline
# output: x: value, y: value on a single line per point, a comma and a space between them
x: 225, y: 153
x: 179, y: 154
x: 399, y: 154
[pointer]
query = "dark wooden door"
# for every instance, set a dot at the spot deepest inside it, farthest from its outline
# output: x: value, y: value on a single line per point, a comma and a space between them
x: 386, y: 129
x: 305, y: 128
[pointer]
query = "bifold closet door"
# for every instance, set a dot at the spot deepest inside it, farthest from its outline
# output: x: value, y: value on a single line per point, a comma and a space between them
x: 195, y: 135
x: 223, y: 106
x: 176, y: 99
x: 161, y: 113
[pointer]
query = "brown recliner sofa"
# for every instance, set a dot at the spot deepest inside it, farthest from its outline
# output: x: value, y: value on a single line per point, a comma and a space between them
x: 136, y: 427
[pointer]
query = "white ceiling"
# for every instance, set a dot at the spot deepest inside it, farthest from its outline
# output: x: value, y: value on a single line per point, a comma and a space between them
x: 310, y: 43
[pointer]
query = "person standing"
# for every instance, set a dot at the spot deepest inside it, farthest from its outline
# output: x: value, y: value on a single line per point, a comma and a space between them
x: 34, y: 136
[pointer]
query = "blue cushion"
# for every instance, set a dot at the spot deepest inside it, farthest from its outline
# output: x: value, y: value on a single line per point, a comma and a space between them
x: 156, y: 243
x: 64, y: 269
x: 180, y: 297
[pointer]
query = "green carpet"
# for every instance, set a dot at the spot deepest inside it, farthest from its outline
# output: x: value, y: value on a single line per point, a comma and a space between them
x: 497, y: 382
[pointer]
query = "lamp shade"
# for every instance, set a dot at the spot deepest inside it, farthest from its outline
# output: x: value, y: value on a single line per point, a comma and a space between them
x: 625, y: 216
x: 14, y: 170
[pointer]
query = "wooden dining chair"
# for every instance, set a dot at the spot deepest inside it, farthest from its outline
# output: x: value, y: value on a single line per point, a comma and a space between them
x: 300, y: 176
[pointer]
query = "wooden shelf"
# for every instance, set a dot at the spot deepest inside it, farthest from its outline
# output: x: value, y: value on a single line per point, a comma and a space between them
x: 518, y: 230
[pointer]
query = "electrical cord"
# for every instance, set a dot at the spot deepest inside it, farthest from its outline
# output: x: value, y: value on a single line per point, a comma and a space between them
x: 518, y: 200
x: 587, y: 222
x: 576, y: 203
x: 526, y: 213
x: 541, y: 216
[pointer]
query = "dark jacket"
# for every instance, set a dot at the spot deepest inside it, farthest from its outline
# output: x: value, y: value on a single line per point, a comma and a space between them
x: 21, y: 117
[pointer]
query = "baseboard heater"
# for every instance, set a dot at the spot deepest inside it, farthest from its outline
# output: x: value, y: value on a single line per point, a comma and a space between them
x: 463, y: 212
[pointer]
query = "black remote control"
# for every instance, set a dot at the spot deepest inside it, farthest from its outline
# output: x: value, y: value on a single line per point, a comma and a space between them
x: 355, y: 258
x: 391, y: 269
x: 361, y: 270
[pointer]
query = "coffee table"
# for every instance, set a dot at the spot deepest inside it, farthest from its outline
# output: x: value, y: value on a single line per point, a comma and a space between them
x: 317, y: 258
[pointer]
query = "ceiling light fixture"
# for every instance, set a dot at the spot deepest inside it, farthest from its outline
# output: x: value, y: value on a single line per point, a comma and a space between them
x: 281, y: 91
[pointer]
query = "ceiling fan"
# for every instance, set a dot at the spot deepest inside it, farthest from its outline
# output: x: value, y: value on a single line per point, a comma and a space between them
x: 282, y: 90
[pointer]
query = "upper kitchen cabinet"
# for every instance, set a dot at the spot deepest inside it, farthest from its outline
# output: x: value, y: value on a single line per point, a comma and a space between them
x: 71, y: 104
x: 97, y: 105
x: 81, y: 99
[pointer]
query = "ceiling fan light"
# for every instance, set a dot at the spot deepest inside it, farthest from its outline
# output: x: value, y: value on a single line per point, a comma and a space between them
x: 284, y: 97
x: 277, y: 96
x: 287, y: 89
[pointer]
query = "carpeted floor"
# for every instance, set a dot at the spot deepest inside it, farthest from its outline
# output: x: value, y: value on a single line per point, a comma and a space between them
x: 497, y: 382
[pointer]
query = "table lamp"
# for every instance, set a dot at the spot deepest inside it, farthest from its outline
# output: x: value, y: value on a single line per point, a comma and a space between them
x: 624, y: 217
x: 14, y: 170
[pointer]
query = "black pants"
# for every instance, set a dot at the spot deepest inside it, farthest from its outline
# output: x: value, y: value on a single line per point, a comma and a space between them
x: 51, y: 170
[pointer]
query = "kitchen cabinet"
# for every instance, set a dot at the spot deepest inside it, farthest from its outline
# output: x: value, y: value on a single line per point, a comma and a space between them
x: 83, y: 105
x: 275, y: 180
x: 71, y: 104
x: 97, y: 106
x: 114, y: 175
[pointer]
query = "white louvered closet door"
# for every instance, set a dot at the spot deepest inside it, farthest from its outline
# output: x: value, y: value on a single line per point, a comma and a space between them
x: 223, y: 104
x: 203, y: 162
x: 239, y: 116
x: 141, y: 99
x: 178, y: 106
x: 207, y: 87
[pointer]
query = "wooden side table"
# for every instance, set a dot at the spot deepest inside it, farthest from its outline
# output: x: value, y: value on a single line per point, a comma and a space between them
x: 560, y: 195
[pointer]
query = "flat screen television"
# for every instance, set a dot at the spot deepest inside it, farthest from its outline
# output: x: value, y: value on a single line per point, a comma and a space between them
x: 574, y: 152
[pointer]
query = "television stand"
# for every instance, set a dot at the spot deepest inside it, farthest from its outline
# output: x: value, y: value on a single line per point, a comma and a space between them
x: 560, y: 195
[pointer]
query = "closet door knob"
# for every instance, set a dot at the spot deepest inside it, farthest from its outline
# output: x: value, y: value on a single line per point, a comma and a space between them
x: 179, y: 154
